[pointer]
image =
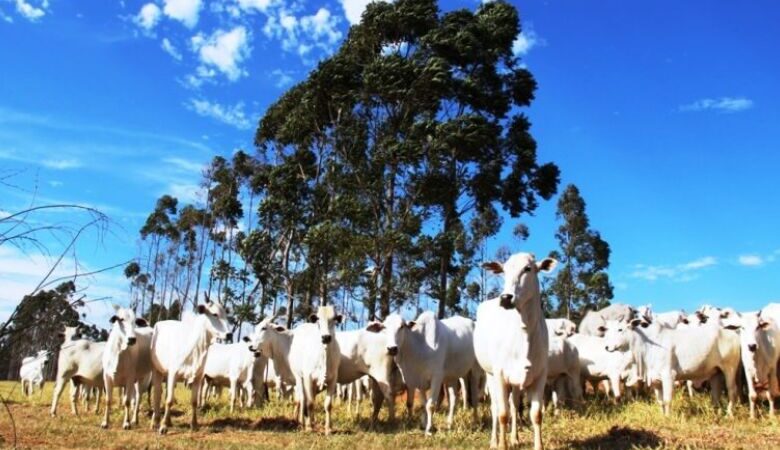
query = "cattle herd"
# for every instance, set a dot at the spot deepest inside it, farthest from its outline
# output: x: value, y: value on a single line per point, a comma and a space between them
x: 510, y: 350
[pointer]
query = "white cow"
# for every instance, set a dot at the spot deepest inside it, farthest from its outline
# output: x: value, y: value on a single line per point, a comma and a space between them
x: 669, y: 319
x: 599, y: 361
x: 563, y: 368
x: 314, y: 360
x: 80, y: 362
x: 179, y: 350
x: 593, y: 322
x: 511, y: 342
x: 760, y: 341
x: 432, y: 353
x: 364, y: 353
x: 562, y: 328
x: 232, y: 365
x: 31, y: 372
x: 274, y: 342
x: 127, y: 362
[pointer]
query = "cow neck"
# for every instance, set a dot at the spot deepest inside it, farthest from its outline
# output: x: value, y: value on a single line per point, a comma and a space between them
x: 419, y: 344
x: 531, y: 315
x: 113, y: 351
x: 280, y: 351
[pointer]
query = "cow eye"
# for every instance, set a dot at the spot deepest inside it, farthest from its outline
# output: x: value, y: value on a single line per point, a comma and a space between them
x: 527, y: 269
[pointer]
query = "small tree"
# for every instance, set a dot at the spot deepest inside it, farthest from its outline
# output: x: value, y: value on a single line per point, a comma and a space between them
x: 582, y: 282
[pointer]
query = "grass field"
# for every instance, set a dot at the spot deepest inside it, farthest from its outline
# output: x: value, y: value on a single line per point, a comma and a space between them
x: 599, y: 425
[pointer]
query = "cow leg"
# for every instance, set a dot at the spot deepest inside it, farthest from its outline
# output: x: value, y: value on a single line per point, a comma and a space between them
x: 614, y: 382
x: 127, y: 395
x: 515, y: 405
x: 380, y: 393
x: 108, y: 382
x: 493, y: 412
x: 233, y: 388
x: 194, y: 392
x: 170, y: 389
x: 97, y: 401
x: 715, y: 390
x: 56, y: 394
x: 501, y: 397
x: 409, y: 400
x: 689, y: 386
x: 137, y: 402
x: 432, y: 403
x: 668, y: 389
x: 308, y: 402
x: 329, y: 394
x: 536, y: 397
x: 156, y: 394
x: 452, y: 398
x: 473, y: 383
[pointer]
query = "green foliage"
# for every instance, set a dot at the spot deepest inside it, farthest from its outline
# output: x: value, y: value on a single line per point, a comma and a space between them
x: 582, y: 281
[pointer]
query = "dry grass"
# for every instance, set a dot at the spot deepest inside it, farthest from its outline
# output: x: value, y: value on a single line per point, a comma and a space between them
x: 599, y: 425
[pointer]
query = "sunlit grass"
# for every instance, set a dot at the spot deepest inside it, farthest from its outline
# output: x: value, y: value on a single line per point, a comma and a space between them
x: 598, y: 424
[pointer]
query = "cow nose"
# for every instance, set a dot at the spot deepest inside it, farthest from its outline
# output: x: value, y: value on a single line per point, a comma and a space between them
x: 229, y: 337
x: 506, y: 301
x: 752, y: 347
x: 392, y: 351
x: 131, y: 341
x: 326, y: 339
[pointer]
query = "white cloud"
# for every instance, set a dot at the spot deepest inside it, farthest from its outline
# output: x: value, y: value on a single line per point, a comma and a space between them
x: 61, y: 164
x: 170, y: 49
x: 187, y: 192
x: 259, y: 5
x: 303, y: 34
x: 230, y: 115
x: 223, y: 50
x: 185, y: 11
x: 55, y: 183
x: 31, y: 12
x: 353, y: 9
x: 283, y: 78
x: 680, y: 272
x: 750, y: 260
x: 184, y: 164
x: 722, y: 104
x: 148, y: 16
x: 525, y: 41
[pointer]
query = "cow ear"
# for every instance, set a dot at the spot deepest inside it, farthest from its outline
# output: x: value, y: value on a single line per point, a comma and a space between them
x: 280, y: 328
x: 200, y: 309
x: 375, y: 327
x: 731, y: 327
x: 339, y: 318
x: 246, y: 339
x: 763, y: 324
x: 113, y: 319
x: 313, y: 318
x: 602, y: 329
x: 493, y: 266
x: 546, y: 265
x: 227, y: 311
x: 141, y: 322
x: 635, y: 323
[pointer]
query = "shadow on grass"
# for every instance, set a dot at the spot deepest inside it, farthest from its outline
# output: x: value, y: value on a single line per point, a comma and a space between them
x: 621, y: 438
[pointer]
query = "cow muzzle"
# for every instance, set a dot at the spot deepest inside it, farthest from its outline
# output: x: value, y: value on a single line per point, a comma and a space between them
x: 229, y: 337
x: 131, y: 341
x: 326, y: 339
x: 752, y: 347
x: 506, y: 301
x: 392, y: 351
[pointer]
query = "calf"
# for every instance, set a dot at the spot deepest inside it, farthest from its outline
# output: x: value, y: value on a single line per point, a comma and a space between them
x: 127, y: 362
x: 430, y: 354
x: 31, y: 372
x: 232, y: 365
x: 598, y: 360
x: 511, y: 342
x: 179, y: 352
x: 80, y: 362
x: 563, y: 369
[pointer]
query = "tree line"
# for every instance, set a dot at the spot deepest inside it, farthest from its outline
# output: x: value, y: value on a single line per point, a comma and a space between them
x: 376, y: 181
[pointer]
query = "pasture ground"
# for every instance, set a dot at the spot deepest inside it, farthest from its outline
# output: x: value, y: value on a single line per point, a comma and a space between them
x: 600, y: 424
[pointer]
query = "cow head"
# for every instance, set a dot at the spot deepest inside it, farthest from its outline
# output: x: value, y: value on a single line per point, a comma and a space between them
x: 215, y: 318
x: 43, y: 356
x: 616, y: 335
x: 395, y: 329
x: 521, y: 280
x: 644, y: 314
x: 260, y: 340
x: 70, y: 334
x: 755, y: 341
x: 564, y: 328
x: 326, y: 319
x: 123, y: 325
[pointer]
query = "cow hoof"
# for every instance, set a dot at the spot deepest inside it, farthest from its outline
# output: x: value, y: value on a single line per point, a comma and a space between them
x: 428, y: 433
x: 163, y: 430
x: 104, y: 425
x: 125, y: 426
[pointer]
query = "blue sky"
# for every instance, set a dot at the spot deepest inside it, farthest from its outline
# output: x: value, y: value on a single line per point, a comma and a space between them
x: 664, y: 113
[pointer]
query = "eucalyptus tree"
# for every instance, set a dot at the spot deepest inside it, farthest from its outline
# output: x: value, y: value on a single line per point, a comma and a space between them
x: 582, y: 282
